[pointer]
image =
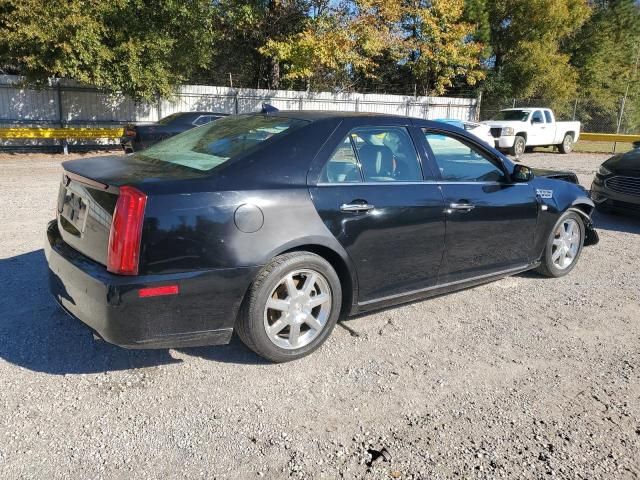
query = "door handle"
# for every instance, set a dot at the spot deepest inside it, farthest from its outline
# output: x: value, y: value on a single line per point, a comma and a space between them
x: 460, y: 207
x: 356, y: 207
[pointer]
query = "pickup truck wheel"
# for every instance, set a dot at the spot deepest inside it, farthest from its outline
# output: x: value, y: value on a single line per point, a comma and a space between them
x: 563, y: 246
x: 291, y: 308
x: 519, y: 145
x: 567, y: 144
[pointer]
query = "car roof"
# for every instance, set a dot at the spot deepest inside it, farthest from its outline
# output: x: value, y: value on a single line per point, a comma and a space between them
x: 313, y: 115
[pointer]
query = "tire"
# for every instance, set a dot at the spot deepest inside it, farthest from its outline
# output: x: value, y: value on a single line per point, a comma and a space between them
x: 287, y: 274
x: 519, y: 146
x: 552, y: 262
x: 567, y: 144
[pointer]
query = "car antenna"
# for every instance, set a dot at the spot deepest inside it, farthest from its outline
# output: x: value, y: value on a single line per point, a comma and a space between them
x: 268, y: 108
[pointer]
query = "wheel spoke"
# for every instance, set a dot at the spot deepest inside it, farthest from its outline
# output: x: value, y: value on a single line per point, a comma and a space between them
x: 277, y: 304
x: 309, y: 283
x: 294, y: 334
x: 292, y: 290
x: 313, y: 322
x: 557, y: 242
x: 277, y: 326
x: 556, y: 255
x: 318, y: 300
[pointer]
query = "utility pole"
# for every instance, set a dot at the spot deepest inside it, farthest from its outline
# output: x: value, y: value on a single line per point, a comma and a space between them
x: 230, y: 80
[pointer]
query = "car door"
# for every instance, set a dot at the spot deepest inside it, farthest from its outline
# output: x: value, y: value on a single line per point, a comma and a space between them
x: 370, y: 192
x: 538, y: 129
x: 490, y: 221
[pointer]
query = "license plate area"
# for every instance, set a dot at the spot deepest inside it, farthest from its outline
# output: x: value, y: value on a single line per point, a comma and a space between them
x: 73, y: 211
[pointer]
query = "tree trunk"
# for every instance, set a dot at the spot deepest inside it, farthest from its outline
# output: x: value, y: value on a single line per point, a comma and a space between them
x: 274, y: 74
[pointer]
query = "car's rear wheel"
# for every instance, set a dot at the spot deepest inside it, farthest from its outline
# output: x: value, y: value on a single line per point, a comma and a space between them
x: 564, y: 246
x: 519, y: 146
x: 291, y: 307
x: 567, y: 144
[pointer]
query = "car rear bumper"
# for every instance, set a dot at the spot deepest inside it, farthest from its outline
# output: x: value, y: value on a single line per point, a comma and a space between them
x: 604, y: 197
x: 202, y: 313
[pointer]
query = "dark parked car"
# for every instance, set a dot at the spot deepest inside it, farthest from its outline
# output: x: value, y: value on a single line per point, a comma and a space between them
x: 139, y: 137
x: 275, y: 225
x: 616, y: 186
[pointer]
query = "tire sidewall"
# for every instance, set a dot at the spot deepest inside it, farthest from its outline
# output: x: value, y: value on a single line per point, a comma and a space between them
x: 519, y: 150
x: 261, y: 340
x: 555, y: 271
x: 567, y: 148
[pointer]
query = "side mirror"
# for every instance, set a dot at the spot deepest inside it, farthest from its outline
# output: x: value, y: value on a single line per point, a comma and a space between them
x: 636, y: 144
x: 521, y: 173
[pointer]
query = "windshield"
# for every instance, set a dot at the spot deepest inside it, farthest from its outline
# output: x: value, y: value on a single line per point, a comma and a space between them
x: 206, y: 147
x: 512, y: 115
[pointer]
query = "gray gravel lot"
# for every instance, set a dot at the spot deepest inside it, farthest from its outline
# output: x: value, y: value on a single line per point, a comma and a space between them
x: 523, y: 378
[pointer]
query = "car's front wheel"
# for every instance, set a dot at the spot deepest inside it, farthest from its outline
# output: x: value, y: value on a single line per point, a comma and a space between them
x: 291, y: 307
x: 564, y: 246
x: 519, y: 146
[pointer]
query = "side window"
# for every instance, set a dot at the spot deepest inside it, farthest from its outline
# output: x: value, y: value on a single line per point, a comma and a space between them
x: 537, y: 117
x: 460, y: 162
x: 343, y: 165
x: 386, y: 154
x: 547, y: 115
x: 201, y: 120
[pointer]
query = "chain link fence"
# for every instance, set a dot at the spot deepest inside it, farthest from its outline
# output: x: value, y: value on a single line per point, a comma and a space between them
x: 621, y: 117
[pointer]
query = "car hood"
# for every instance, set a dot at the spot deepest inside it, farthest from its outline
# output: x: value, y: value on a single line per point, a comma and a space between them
x: 504, y: 123
x: 566, y: 175
x: 627, y: 163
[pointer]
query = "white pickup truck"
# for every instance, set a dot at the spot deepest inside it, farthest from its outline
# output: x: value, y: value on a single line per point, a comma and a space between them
x: 515, y: 129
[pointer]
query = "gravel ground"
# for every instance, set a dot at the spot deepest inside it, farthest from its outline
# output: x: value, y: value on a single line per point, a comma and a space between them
x: 523, y: 378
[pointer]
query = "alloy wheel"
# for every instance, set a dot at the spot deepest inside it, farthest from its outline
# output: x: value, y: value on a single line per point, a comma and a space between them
x: 297, y: 309
x: 566, y: 244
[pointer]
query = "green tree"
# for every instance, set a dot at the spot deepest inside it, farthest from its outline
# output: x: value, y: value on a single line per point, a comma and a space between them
x: 424, y: 44
x: 527, y: 55
x: 607, y: 53
x: 139, y: 47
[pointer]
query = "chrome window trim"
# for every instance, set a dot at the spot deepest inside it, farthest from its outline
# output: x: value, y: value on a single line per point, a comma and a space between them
x: 424, y: 182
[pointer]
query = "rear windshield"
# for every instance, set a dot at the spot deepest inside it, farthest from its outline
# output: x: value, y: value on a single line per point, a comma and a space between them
x: 206, y: 147
x: 514, y: 115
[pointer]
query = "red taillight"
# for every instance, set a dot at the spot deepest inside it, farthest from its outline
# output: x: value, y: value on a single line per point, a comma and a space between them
x: 158, y: 291
x: 126, y: 230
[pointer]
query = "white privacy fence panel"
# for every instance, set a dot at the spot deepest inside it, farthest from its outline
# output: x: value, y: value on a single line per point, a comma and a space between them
x: 65, y: 102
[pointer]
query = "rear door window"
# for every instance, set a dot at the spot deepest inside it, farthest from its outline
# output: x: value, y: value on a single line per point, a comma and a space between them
x: 381, y: 154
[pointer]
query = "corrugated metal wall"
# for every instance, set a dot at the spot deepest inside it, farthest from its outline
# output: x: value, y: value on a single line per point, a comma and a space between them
x: 66, y: 102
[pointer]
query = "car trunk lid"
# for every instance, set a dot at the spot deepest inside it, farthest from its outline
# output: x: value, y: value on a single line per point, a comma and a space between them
x: 89, y: 191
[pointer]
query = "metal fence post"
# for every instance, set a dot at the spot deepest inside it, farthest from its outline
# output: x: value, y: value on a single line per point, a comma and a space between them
x: 235, y: 102
x: 357, y: 104
x: 63, y: 142
x: 478, y: 106
x: 159, y: 106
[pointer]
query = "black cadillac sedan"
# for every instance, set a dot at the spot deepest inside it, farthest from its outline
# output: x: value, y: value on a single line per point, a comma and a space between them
x: 616, y: 186
x: 139, y: 137
x: 275, y: 225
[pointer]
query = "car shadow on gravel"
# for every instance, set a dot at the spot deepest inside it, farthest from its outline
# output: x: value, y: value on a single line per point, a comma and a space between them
x: 617, y: 222
x: 36, y: 334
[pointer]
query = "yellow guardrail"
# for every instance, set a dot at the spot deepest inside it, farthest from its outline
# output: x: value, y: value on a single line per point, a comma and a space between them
x: 61, y: 133
x: 609, y: 137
